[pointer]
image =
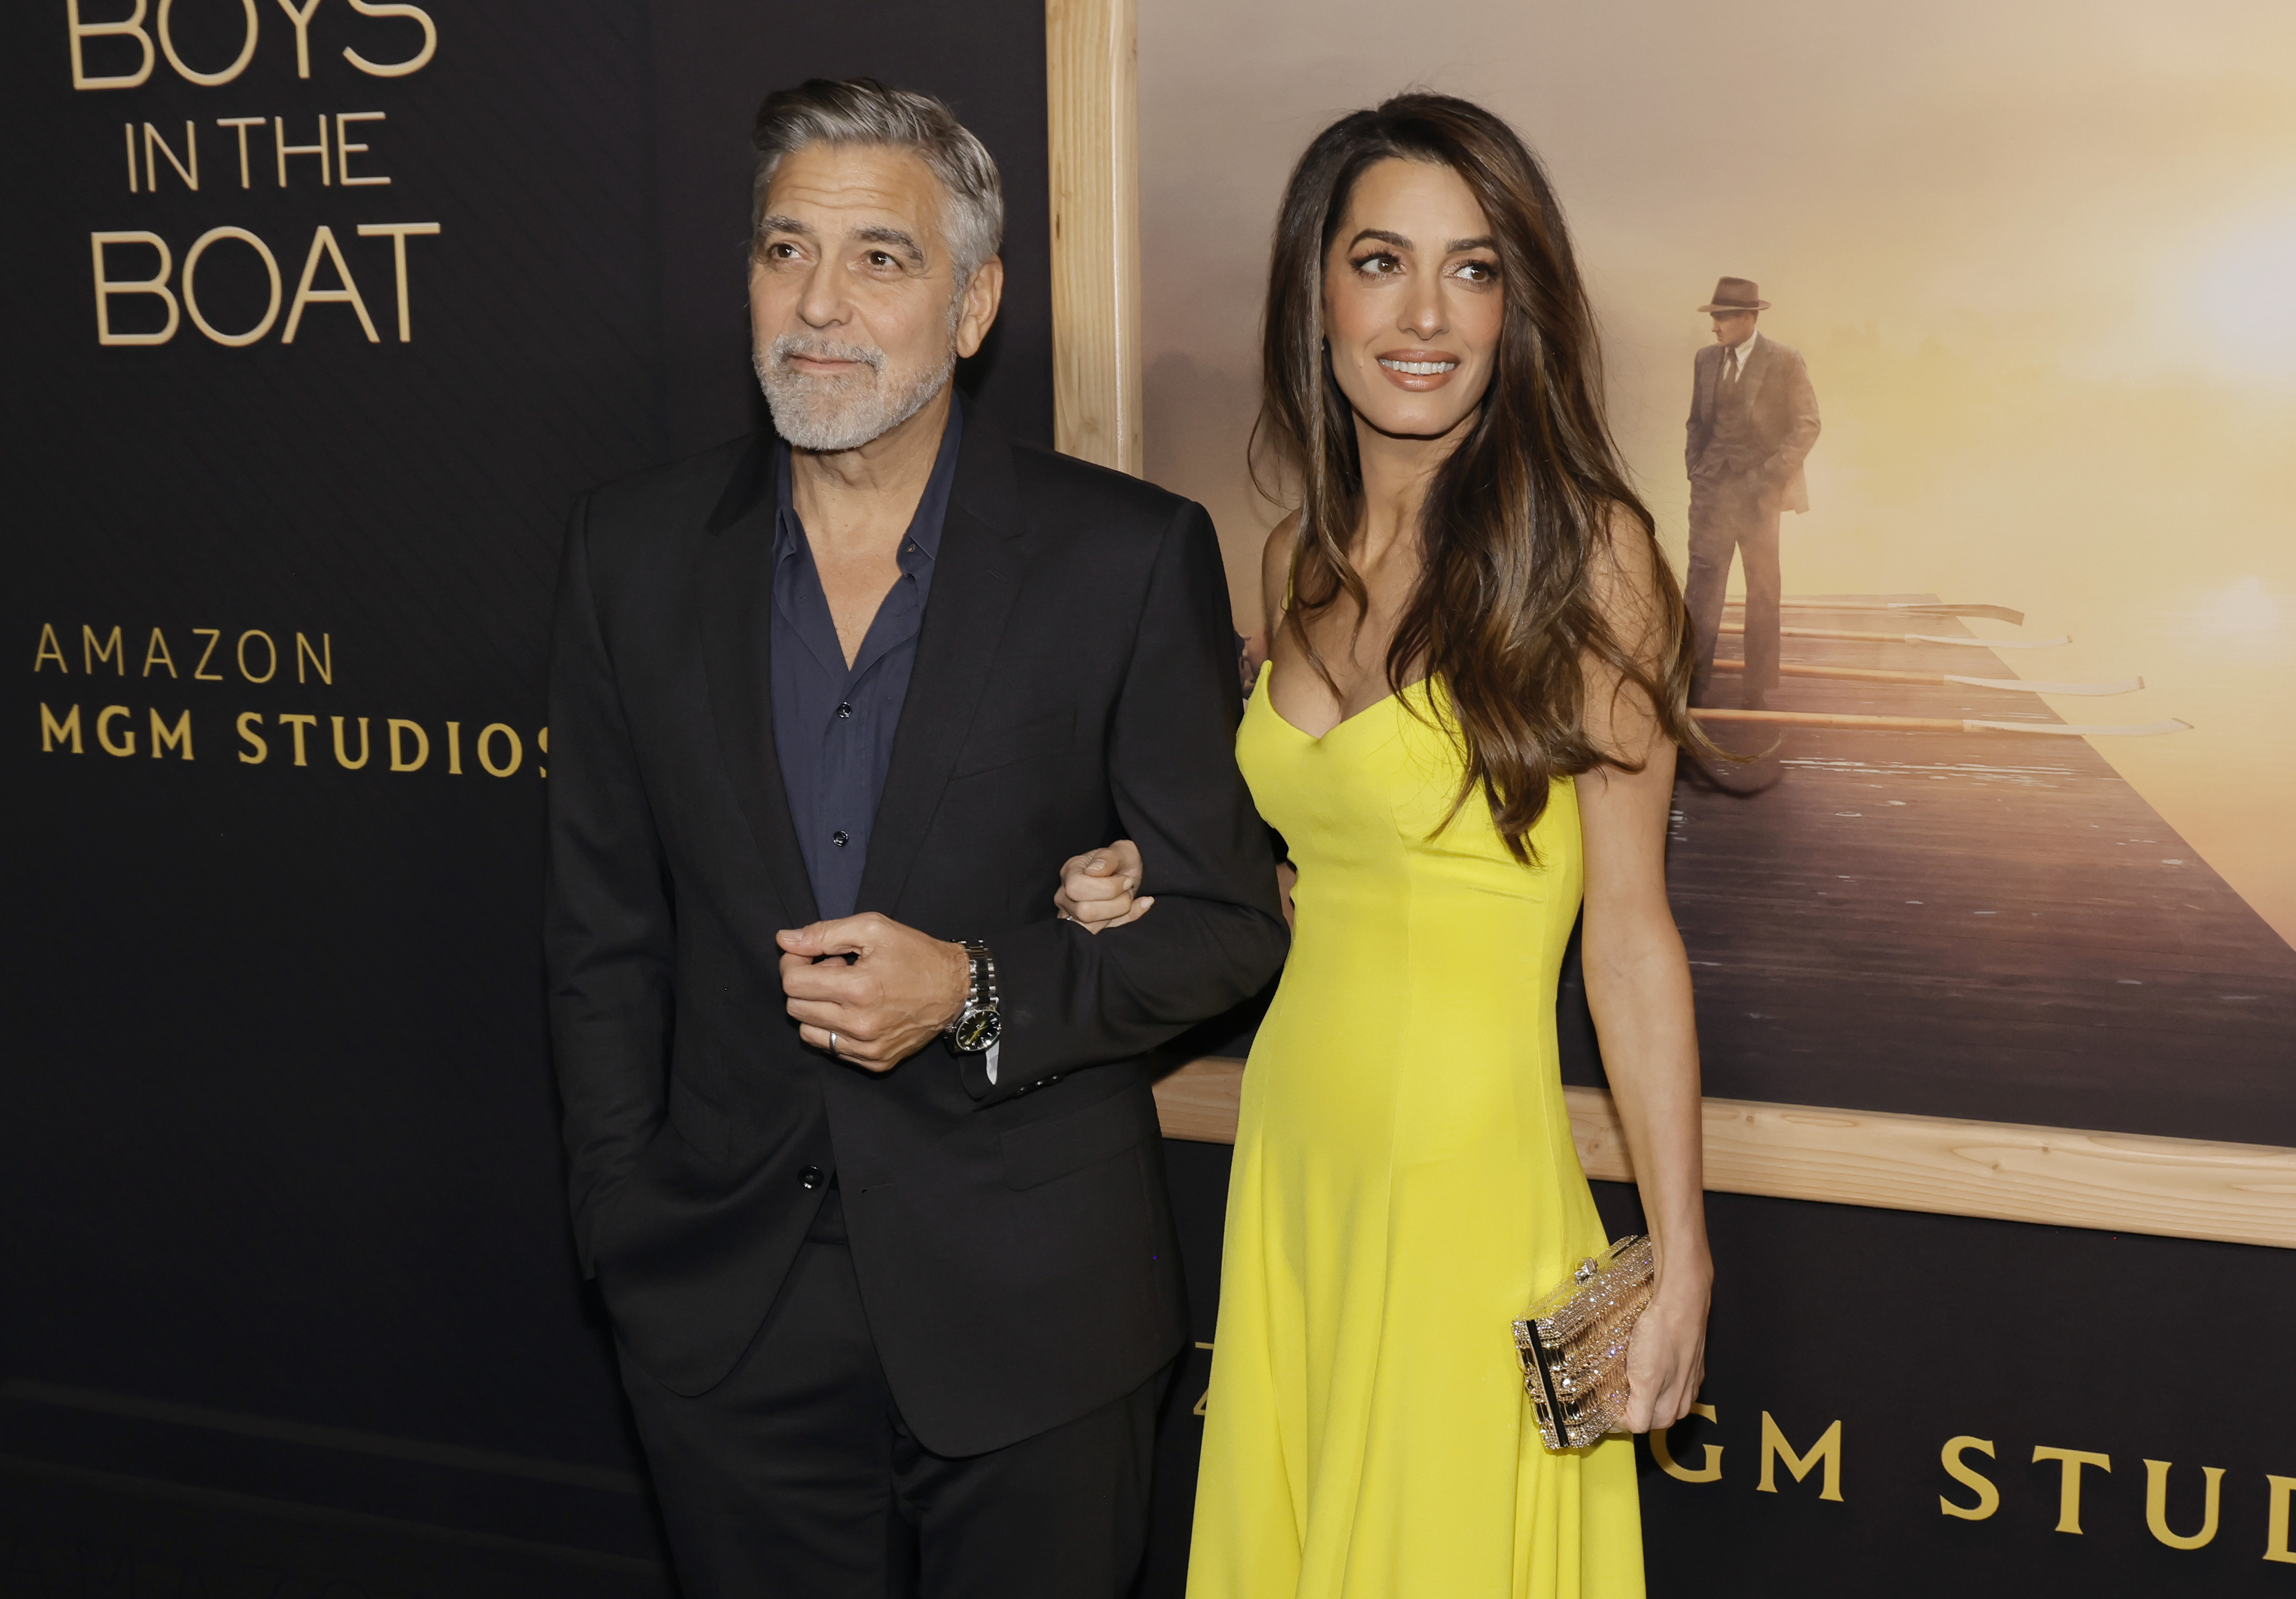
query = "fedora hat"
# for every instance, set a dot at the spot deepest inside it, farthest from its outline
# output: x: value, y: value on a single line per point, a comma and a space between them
x: 1736, y: 294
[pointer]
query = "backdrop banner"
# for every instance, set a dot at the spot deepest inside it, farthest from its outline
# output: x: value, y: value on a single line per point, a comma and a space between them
x: 330, y: 308
x: 329, y: 311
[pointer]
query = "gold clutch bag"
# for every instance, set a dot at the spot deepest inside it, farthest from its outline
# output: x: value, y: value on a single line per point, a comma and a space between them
x: 1573, y: 1344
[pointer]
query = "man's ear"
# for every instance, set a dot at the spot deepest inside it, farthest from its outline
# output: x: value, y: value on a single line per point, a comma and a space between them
x: 982, y: 298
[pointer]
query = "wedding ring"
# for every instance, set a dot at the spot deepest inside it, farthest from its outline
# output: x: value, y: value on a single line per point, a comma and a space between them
x: 832, y: 1048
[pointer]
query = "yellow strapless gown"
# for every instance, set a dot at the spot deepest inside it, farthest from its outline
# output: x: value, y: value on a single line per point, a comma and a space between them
x: 1405, y: 1184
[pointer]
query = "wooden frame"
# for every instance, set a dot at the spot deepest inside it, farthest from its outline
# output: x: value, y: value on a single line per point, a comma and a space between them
x: 2175, y: 1187
x: 2116, y: 1182
x: 1093, y: 122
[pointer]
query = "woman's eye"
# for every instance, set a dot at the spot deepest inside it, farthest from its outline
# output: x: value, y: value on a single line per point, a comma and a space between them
x: 1377, y: 265
x: 1479, y: 271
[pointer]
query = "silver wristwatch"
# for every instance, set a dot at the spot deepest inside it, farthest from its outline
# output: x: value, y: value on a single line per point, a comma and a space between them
x: 980, y: 1022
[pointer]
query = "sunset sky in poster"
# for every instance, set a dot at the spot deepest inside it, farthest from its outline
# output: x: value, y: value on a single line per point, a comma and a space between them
x: 2041, y: 259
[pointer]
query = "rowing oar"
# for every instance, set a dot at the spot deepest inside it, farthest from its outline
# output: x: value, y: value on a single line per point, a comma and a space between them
x: 1909, y: 639
x: 1999, y: 613
x: 2128, y: 686
x: 1814, y: 719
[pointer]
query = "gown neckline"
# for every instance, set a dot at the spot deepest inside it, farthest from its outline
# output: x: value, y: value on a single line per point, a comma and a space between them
x: 1267, y: 691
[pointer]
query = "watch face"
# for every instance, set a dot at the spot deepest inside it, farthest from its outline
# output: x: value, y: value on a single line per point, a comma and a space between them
x: 979, y: 1030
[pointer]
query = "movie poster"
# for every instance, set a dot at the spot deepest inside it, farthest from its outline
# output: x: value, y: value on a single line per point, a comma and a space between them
x: 2011, y: 848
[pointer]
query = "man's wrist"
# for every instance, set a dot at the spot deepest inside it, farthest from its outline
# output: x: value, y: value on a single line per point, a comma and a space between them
x: 958, y: 966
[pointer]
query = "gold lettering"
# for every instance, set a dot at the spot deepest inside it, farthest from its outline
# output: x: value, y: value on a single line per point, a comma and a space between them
x: 2156, y: 1505
x: 270, y: 656
x: 282, y: 150
x: 398, y: 233
x: 54, y: 733
x: 302, y: 20
x: 485, y: 746
x: 156, y: 284
x: 413, y: 63
x: 50, y: 651
x: 132, y: 174
x: 398, y: 762
x: 342, y: 756
x: 1988, y: 1498
x: 133, y: 26
x: 255, y: 740
x: 156, y: 654
x: 103, y: 731
x: 180, y: 739
x: 2068, y: 1485
x: 1662, y: 1452
x: 246, y: 51
x: 324, y: 241
x: 2276, y: 1534
x: 1774, y: 1448
x: 192, y: 301
x: 200, y: 673
x: 344, y: 148
x: 191, y: 175
x: 325, y: 667
x: 113, y: 650
x: 454, y: 749
x: 242, y: 124
x: 298, y: 723
x: 542, y: 743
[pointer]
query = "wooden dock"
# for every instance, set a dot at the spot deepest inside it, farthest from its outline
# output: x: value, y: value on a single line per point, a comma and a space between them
x: 1973, y: 924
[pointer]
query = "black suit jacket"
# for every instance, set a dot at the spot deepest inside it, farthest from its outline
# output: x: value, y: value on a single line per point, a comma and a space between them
x: 1075, y: 682
x: 1785, y: 414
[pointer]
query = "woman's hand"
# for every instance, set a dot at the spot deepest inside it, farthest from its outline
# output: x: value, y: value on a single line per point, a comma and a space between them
x: 1666, y: 1359
x: 1096, y: 890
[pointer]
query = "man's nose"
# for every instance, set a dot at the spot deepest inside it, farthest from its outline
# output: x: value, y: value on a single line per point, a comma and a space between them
x: 821, y: 302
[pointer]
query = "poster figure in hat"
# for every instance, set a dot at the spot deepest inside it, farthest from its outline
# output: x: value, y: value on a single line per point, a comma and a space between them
x: 1753, y: 417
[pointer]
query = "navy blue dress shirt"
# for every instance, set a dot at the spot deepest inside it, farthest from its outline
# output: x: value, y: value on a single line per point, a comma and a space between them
x: 833, y: 724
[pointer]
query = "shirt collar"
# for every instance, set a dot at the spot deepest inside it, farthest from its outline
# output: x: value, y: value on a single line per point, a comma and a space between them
x: 924, y: 536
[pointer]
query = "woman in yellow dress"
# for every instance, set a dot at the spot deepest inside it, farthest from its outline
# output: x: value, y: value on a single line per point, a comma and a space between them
x: 1467, y: 723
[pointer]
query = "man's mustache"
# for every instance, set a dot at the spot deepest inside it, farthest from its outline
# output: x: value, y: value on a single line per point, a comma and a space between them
x: 791, y: 345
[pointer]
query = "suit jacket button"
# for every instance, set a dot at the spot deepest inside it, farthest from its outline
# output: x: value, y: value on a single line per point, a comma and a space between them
x: 812, y: 1178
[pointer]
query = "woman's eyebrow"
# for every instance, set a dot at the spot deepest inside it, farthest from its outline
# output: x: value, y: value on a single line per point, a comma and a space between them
x: 1383, y: 235
x: 1481, y: 241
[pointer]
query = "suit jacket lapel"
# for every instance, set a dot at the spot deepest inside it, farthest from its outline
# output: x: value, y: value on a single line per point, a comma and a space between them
x: 976, y: 579
x: 735, y: 581
x: 1709, y: 379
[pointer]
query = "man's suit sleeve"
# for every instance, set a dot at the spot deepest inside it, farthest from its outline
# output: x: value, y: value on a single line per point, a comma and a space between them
x: 608, y: 932
x: 1216, y: 933
x: 1802, y: 423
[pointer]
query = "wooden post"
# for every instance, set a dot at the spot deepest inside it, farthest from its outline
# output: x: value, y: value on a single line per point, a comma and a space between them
x: 1093, y: 124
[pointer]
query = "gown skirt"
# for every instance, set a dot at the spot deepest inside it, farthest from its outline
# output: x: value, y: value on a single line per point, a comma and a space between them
x: 1404, y: 1185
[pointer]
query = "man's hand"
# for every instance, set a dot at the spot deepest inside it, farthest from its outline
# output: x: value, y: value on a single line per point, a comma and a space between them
x: 895, y: 997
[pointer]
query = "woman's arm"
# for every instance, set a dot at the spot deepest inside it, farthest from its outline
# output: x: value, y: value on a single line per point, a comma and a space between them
x: 1638, y: 988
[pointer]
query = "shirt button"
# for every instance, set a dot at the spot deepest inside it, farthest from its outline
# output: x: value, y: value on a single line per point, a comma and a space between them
x: 844, y: 711
x: 838, y: 838
x: 811, y: 1177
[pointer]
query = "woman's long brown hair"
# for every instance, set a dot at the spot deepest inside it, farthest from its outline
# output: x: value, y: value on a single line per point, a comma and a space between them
x: 1506, y: 613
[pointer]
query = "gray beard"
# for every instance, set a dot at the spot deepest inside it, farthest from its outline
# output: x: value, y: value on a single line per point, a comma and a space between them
x: 844, y: 413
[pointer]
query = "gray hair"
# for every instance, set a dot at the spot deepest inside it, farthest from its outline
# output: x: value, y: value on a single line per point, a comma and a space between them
x: 863, y: 111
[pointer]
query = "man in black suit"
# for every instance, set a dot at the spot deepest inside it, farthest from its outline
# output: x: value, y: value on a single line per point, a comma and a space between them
x: 864, y: 1154
x: 1753, y: 418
